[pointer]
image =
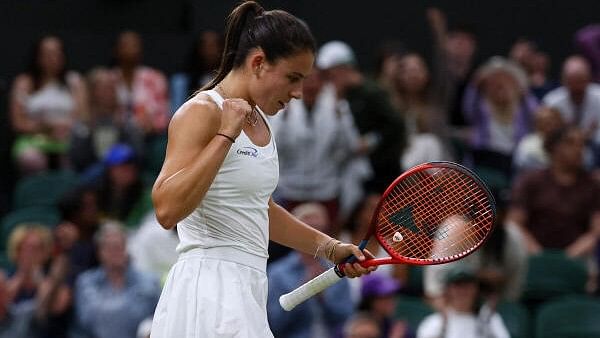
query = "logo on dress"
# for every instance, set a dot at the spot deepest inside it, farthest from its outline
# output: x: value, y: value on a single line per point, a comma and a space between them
x: 248, y: 151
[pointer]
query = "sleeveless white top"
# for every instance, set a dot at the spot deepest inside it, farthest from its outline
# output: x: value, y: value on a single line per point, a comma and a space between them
x: 234, y: 211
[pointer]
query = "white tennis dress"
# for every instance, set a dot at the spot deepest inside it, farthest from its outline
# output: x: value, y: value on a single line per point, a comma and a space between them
x: 218, y: 287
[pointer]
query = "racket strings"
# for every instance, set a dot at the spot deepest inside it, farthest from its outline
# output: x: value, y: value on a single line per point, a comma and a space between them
x: 438, y: 222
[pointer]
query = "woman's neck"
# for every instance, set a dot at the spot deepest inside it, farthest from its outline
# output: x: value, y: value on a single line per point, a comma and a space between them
x: 234, y: 85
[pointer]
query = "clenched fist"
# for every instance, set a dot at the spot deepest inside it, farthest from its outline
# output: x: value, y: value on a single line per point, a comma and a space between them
x: 234, y: 116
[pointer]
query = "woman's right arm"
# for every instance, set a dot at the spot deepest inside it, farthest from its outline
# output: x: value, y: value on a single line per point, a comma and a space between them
x: 194, y: 155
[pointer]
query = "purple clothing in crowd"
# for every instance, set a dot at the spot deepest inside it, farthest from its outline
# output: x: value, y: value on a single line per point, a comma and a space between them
x: 587, y: 42
x: 477, y: 112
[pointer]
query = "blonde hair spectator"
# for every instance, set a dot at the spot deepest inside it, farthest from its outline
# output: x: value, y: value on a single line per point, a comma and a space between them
x: 22, y: 233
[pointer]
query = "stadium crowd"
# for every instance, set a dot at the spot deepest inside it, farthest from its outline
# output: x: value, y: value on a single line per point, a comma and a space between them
x: 82, y: 254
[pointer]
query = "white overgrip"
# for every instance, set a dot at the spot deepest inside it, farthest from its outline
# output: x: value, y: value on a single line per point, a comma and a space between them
x: 309, y: 289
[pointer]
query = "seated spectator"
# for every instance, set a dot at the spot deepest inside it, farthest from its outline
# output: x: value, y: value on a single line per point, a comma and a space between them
x: 500, y: 264
x: 354, y: 230
x: 142, y: 91
x: 461, y: 315
x: 578, y: 99
x: 500, y: 109
x: 16, y: 320
x: 80, y: 213
x: 530, y: 153
x: 120, y: 186
x: 29, y: 249
x: 113, y: 299
x: 105, y: 126
x: 200, y: 67
x: 557, y: 207
x: 320, y: 316
x: 378, y: 298
x: 44, y: 103
x: 362, y: 325
x: 38, y: 280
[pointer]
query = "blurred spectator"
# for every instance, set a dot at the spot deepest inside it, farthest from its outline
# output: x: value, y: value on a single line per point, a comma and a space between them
x: 354, y: 230
x: 44, y: 103
x: 387, y: 69
x: 39, y: 281
x: 535, y: 63
x: 203, y: 60
x: 152, y: 249
x: 362, y: 325
x: 112, y: 300
x: 500, y: 109
x: 462, y: 316
x: 454, y: 50
x: 29, y: 249
x: 500, y: 264
x: 530, y: 153
x: 120, y: 188
x: 316, y: 138
x: 587, y: 41
x: 80, y: 215
x: 424, y: 116
x: 578, y: 99
x: 105, y: 126
x: 378, y: 298
x: 379, y: 125
x: 557, y: 208
x: 539, y: 81
x: 522, y: 53
x: 142, y: 91
x: 320, y: 316
x: 16, y: 320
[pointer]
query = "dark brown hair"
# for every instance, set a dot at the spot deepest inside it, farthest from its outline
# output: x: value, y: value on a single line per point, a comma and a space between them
x: 278, y: 33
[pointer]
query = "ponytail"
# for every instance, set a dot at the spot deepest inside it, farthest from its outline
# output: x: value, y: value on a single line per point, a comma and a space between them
x: 237, y: 20
x: 278, y: 33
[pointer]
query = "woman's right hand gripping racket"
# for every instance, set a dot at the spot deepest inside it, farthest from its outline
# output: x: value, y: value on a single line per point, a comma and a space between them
x: 434, y: 213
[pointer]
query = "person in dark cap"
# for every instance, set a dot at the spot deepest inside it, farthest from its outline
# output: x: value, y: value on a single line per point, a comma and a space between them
x: 121, y: 186
x: 461, y: 315
x: 378, y: 294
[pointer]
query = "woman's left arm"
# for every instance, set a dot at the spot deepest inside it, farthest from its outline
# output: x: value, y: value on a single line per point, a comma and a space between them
x: 287, y: 230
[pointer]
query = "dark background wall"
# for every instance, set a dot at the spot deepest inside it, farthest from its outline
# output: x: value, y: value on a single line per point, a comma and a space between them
x: 89, y: 26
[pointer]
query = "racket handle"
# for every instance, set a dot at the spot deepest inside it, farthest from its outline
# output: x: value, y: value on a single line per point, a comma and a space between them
x: 310, y: 288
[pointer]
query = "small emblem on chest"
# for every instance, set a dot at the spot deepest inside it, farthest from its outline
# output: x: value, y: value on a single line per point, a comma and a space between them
x: 248, y: 151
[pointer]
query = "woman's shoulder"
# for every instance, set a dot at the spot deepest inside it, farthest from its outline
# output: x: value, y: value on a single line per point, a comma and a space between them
x: 200, y: 108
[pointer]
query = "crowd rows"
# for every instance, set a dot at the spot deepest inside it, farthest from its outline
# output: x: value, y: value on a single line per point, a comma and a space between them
x: 95, y: 268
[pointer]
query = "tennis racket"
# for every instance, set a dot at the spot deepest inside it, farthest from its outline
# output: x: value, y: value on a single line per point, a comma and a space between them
x: 434, y: 213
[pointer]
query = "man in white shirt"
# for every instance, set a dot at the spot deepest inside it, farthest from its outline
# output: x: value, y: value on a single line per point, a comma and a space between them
x: 578, y: 99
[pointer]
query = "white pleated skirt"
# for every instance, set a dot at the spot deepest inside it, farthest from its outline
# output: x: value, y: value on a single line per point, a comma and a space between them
x: 214, y: 293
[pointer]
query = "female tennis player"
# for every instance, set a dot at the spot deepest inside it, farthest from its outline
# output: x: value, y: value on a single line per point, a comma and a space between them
x: 216, y: 182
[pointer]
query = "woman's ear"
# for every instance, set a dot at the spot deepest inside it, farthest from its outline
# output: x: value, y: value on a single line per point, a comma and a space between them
x: 256, y: 60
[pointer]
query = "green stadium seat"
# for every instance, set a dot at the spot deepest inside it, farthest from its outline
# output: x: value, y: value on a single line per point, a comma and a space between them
x: 571, y: 317
x: 43, y: 189
x: 44, y: 215
x: 552, y: 274
x: 412, y: 310
x: 154, y: 155
x: 516, y: 317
